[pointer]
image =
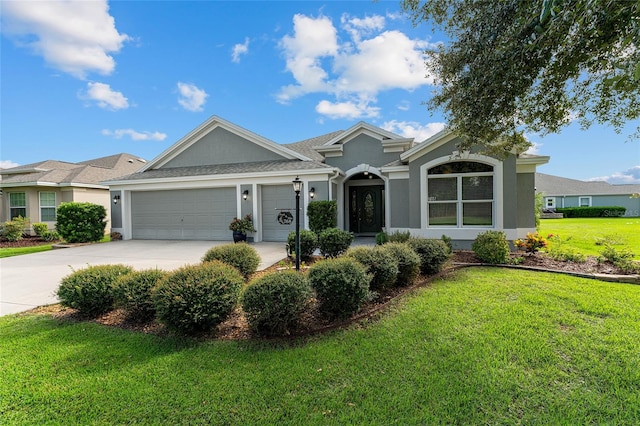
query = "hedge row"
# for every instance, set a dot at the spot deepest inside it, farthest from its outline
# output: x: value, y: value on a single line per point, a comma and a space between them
x: 611, y: 211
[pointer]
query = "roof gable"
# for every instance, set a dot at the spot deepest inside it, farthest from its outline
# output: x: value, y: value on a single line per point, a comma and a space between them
x: 389, y: 141
x: 217, y: 141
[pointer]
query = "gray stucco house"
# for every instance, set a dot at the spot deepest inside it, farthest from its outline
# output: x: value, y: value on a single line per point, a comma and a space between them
x: 379, y: 180
x: 561, y: 192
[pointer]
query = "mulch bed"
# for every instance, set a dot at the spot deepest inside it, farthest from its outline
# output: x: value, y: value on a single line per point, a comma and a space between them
x: 236, y: 327
x: 28, y: 241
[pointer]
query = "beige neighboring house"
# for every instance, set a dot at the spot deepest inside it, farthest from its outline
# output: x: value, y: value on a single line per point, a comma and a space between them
x: 36, y: 190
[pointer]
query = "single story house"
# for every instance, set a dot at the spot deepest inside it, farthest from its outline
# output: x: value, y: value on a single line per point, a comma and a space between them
x: 562, y: 192
x: 379, y: 180
x: 34, y: 191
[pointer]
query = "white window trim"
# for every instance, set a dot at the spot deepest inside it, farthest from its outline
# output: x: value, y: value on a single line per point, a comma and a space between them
x: 40, y: 206
x: 580, y: 198
x: 498, y: 201
x: 553, y: 202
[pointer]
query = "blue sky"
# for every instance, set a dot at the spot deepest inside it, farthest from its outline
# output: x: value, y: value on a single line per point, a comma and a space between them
x: 81, y: 80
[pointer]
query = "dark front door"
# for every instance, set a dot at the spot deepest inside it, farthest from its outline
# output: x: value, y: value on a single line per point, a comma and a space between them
x: 365, y: 209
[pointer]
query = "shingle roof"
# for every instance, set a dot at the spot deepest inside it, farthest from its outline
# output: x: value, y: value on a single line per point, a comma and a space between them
x: 305, y: 147
x: 90, y: 172
x: 557, y: 186
x: 223, y: 169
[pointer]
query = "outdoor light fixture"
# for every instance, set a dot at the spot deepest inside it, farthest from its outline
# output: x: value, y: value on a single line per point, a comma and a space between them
x: 297, y: 187
x: 116, y: 199
x: 312, y: 193
x: 245, y: 194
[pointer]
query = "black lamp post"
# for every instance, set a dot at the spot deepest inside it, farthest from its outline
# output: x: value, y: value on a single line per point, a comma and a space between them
x: 297, y: 187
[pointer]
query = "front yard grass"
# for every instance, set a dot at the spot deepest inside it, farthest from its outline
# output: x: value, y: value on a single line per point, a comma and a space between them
x: 17, y: 251
x: 583, y: 234
x: 483, y: 346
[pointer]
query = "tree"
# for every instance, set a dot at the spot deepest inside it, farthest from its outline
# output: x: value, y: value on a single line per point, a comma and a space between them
x: 518, y: 65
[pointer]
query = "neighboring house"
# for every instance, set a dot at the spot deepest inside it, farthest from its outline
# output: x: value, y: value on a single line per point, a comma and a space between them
x: 562, y: 192
x: 35, y: 191
x: 379, y: 179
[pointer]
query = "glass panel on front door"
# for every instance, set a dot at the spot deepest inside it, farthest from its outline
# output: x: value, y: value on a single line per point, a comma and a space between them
x: 366, y: 209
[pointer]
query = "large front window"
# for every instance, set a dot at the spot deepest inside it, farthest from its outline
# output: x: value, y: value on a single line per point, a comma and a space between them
x: 47, y: 206
x: 460, y: 194
x: 17, y: 205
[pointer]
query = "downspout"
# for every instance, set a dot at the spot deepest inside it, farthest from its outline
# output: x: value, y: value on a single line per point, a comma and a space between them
x: 336, y: 173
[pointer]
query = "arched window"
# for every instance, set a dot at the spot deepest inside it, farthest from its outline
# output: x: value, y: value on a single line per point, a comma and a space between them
x: 460, y: 194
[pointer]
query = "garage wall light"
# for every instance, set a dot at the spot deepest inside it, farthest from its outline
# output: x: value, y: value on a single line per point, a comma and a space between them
x: 245, y: 194
x: 312, y: 193
x: 116, y: 199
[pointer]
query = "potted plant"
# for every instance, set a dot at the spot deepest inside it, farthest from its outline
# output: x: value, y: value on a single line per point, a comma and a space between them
x: 240, y: 227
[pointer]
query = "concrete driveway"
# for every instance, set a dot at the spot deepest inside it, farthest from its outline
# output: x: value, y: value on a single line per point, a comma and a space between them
x: 31, y: 280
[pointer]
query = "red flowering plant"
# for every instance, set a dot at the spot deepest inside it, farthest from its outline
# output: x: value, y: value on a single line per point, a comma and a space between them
x: 532, y: 243
x: 243, y: 225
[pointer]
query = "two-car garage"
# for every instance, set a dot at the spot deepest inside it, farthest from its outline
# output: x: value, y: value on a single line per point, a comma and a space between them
x: 205, y: 214
x: 185, y: 214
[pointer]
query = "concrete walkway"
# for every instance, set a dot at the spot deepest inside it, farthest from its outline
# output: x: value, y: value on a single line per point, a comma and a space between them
x: 31, y: 280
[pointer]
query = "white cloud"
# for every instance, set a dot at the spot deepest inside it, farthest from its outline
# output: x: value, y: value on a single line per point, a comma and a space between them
x: 404, y: 106
x: 412, y: 129
x: 191, y: 98
x: 135, y: 135
x: 7, y: 164
x: 239, y: 49
x: 354, y: 71
x: 73, y: 36
x: 348, y: 109
x: 105, y: 96
x: 534, y: 149
x: 631, y: 175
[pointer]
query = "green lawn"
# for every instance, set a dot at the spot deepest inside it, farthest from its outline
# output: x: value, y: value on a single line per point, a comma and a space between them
x: 485, y: 346
x: 17, y: 251
x: 583, y: 234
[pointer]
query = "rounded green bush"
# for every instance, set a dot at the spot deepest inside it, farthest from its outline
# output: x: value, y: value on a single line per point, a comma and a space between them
x: 40, y: 228
x: 341, y: 286
x: 333, y: 242
x: 132, y: 292
x: 90, y: 290
x: 81, y: 222
x: 379, y: 263
x: 273, y: 304
x: 408, y: 262
x: 196, y: 298
x: 492, y: 247
x: 433, y: 254
x: 240, y: 255
x: 308, y: 243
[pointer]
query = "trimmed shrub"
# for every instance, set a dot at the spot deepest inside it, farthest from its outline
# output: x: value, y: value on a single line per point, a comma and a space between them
x: 610, y: 211
x: 240, y: 255
x: 382, y: 238
x: 40, y: 228
x: 399, y: 237
x: 308, y: 243
x: 322, y: 215
x: 50, y: 236
x: 132, y: 292
x: 448, y: 241
x: 433, y: 254
x: 341, y: 286
x: 196, y: 298
x: 14, y: 230
x: 492, y: 247
x: 90, y: 290
x: 81, y: 222
x: 379, y: 263
x: 273, y: 304
x: 333, y: 242
x: 408, y: 262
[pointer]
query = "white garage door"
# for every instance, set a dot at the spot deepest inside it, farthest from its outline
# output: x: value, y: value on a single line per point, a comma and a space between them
x: 192, y: 214
x: 278, y: 212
